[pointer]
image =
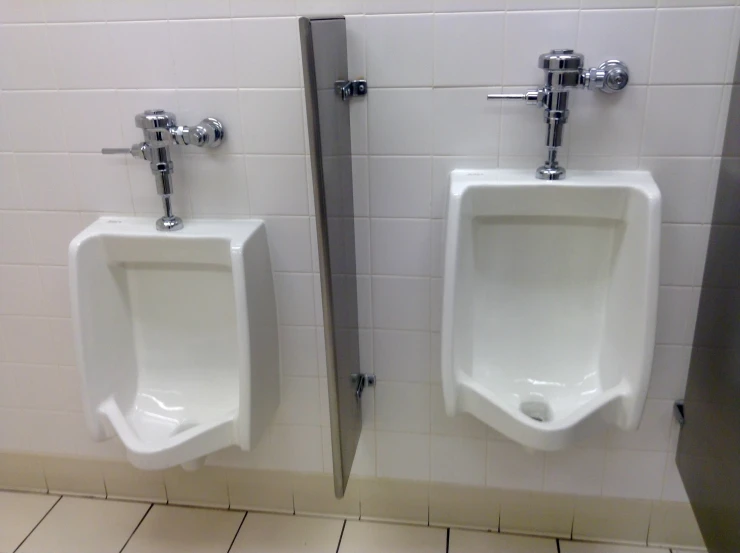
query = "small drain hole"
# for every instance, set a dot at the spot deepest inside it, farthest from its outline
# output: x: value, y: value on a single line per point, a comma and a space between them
x: 536, y: 410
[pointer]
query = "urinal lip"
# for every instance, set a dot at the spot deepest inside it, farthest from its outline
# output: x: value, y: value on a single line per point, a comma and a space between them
x: 468, y: 384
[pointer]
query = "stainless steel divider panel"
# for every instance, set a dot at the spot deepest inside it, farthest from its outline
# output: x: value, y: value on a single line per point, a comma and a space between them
x: 324, y: 47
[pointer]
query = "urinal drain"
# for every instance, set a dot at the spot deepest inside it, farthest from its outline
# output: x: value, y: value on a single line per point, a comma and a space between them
x: 536, y: 410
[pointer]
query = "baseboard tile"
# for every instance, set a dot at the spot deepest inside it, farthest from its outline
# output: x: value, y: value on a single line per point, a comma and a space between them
x: 124, y: 481
x: 260, y: 490
x: 313, y: 494
x: 673, y: 524
x: 23, y: 473
x: 605, y: 519
x: 612, y: 520
x: 387, y: 500
x: 80, y: 477
x: 467, y: 507
x: 536, y: 514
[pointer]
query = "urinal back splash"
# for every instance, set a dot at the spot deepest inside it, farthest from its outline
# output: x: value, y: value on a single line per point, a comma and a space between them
x: 549, y: 301
x: 163, y: 335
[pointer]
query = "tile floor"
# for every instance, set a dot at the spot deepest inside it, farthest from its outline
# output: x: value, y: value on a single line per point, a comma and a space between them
x: 35, y: 523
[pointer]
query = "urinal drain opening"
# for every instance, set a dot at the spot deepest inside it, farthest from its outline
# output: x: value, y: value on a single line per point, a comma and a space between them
x: 536, y: 410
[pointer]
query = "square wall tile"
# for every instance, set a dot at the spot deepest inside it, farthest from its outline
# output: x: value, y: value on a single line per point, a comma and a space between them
x: 400, y: 186
x: 133, y: 42
x: 265, y: 532
x: 86, y: 525
x: 634, y: 474
x: 400, y: 122
x: 267, y: 52
x: 665, y: 135
x: 196, y: 65
x: 622, y: 114
x: 402, y: 455
x: 465, y: 541
x: 277, y: 185
x: 278, y: 114
x: 509, y: 465
x: 217, y: 184
x: 20, y: 513
x: 684, y: 186
x: 25, y: 113
x: 401, y: 303
x: 402, y: 406
x: 94, y: 69
x: 611, y: 520
x: 574, y: 471
x: 361, y: 537
x: 463, y: 507
x: 401, y: 355
x: 30, y: 66
x: 169, y: 529
x: 463, y: 47
x: 457, y: 460
x: 295, y: 300
x: 394, y: 500
x: 392, y: 59
x: 710, y: 29
x: 401, y: 247
x: 601, y: 35
x: 465, y: 122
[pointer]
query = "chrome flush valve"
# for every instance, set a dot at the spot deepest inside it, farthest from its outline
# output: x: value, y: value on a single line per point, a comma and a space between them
x: 564, y: 70
x: 161, y: 130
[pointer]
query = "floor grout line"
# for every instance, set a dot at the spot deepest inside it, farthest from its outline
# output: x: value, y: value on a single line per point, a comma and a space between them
x: 341, y: 535
x: 447, y: 546
x: 46, y: 514
x: 137, y: 527
x: 237, y: 531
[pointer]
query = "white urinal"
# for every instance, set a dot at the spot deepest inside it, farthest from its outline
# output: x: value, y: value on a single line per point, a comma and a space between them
x: 550, y: 298
x: 176, y: 336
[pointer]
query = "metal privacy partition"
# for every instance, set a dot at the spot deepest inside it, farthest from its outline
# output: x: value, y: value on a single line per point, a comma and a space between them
x: 324, y: 46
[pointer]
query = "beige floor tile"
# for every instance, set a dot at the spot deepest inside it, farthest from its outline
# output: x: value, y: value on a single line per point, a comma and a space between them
x: 466, y: 541
x: 169, y: 529
x: 78, y: 525
x: 262, y: 533
x: 583, y: 547
x: 372, y: 537
x: 19, y: 514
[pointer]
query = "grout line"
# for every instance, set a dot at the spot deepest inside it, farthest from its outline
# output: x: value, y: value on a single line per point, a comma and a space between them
x: 341, y: 535
x: 39, y: 522
x: 447, y: 546
x: 557, y: 543
x: 244, y: 518
x: 137, y: 526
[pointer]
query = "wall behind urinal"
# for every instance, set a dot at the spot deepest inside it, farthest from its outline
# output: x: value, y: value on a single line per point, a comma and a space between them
x: 74, y: 73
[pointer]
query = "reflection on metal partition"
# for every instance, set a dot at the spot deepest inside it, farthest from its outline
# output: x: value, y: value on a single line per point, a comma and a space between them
x: 324, y: 46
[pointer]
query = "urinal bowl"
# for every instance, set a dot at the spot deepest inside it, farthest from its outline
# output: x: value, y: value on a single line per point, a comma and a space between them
x: 550, y: 299
x: 176, y: 336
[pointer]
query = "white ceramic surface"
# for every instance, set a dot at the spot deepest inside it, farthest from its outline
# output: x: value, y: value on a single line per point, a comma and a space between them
x: 550, y: 298
x: 175, y: 335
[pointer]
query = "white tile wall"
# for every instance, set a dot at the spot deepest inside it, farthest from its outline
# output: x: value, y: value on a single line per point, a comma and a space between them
x: 73, y: 75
